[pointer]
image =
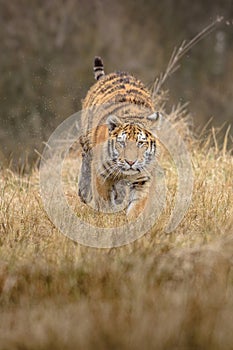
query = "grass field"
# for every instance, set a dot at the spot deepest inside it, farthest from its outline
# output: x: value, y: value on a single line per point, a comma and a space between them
x: 164, y: 291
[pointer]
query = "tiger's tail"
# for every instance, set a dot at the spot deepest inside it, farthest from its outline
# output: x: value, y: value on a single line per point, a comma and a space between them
x: 98, y: 68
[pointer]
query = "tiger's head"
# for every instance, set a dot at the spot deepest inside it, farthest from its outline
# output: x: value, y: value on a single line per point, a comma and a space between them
x: 131, y: 147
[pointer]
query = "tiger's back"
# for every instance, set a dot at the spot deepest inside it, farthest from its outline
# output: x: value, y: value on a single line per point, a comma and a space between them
x: 118, y: 87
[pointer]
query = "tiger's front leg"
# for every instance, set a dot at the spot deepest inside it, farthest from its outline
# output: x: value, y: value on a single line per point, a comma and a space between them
x: 139, y: 194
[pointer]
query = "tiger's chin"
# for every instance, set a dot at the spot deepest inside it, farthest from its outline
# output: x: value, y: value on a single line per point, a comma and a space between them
x: 129, y: 172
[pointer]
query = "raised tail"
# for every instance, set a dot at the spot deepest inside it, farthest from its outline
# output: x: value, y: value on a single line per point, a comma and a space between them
x: 98, y: 68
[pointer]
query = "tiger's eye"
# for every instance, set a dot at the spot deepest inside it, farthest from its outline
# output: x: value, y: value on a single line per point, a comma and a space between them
x: 140, y: 143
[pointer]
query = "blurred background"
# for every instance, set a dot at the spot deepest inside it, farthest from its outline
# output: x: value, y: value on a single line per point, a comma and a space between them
x: 47, y: 50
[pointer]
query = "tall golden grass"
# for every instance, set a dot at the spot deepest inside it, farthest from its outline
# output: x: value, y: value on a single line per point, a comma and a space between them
x: 161, y: 292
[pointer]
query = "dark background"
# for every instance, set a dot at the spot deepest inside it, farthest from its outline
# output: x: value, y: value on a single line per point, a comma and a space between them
x: 47, y: 50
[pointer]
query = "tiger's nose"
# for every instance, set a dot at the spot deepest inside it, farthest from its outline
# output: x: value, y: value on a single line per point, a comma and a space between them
x: 130, y: 162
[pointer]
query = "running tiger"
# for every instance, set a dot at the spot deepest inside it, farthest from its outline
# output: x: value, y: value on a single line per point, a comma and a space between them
x: 119, y: 143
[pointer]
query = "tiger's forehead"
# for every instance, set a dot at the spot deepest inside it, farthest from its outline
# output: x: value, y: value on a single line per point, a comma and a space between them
x: 132, y: 131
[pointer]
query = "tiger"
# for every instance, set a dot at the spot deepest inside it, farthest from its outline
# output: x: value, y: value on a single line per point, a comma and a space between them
x: 119, y: 142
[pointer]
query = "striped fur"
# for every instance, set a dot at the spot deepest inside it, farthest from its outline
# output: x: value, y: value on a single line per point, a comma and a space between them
x: 98, y: 68
x: 119, y: 150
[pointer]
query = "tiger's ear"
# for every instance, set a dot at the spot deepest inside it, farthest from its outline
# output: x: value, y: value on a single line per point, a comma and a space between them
x: 112, y: 122
x: 157, y: 118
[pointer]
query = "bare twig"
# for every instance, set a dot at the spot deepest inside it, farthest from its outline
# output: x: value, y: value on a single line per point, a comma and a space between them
x: 179, y: 52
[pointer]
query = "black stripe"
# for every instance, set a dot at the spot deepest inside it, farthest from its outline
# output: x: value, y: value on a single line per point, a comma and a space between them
x: 110, y: 147
x: 96, y: 69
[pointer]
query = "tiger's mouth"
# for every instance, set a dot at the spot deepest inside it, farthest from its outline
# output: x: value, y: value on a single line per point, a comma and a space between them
x: 130, y: 169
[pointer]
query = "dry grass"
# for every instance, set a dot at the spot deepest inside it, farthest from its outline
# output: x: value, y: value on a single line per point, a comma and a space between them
x: 161, y: 292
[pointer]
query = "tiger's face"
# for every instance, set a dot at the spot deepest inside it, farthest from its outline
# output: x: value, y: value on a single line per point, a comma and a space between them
x: 131, y: 147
